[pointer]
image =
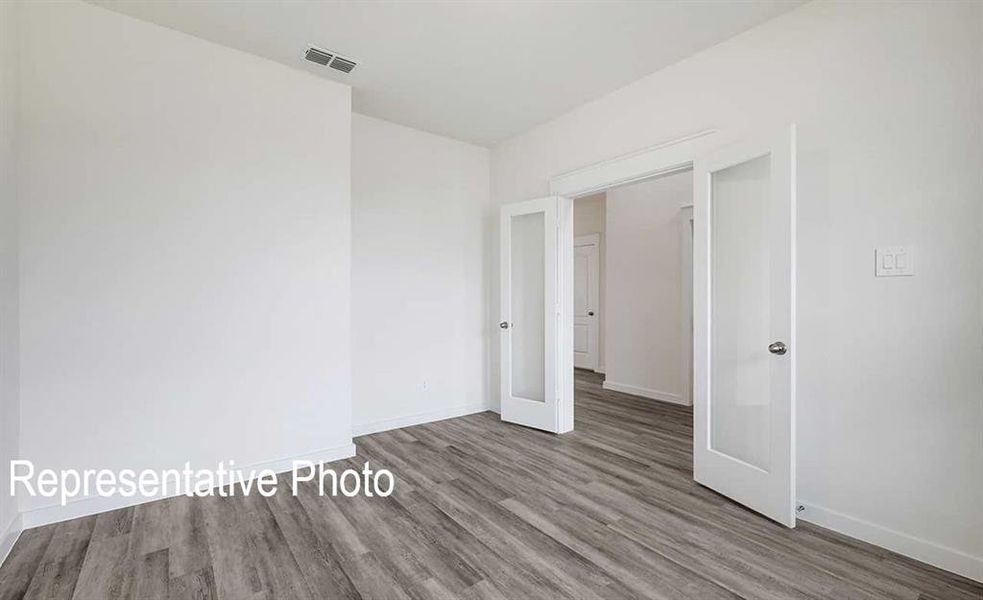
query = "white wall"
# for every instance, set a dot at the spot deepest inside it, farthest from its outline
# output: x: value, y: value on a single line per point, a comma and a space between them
x: 589, y: 216
x: 9, y: 401
x: 419, y: 203
x: 887, y: 97
x: 185, y: 251
x: 644, y: 346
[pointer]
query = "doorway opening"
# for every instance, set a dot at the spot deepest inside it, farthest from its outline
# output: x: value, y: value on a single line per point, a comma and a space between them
x: 632, y: 300
x: 743, y: 290
x: 632, y: 313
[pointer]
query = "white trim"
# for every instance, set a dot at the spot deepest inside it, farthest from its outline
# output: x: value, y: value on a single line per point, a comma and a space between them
x: 624, y: 388
x: 661, y: 159
x: 9, y: 537
x: 686, y: 240
x: 934, y: 554
x: 418, y: 419
x: 84, y: 507
x: 564, y: 312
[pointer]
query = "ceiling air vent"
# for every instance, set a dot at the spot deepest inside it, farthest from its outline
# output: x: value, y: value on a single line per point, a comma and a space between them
x: 318, y: 56
x: 326, y: 58
x: 342, y: 64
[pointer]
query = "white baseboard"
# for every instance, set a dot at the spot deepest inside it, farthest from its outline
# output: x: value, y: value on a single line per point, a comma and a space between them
x: 418, y: 419
x: 83, y: 507
x: 928, y: 552
x: 9, y: 537
x: 624, y: 388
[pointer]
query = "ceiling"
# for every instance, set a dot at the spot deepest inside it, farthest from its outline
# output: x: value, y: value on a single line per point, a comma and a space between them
x: 479, y: 71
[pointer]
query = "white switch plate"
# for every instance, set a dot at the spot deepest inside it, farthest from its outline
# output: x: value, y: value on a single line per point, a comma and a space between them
x: 894, y: 261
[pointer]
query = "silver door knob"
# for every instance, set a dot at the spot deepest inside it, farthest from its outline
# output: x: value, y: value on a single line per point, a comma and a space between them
x: 504, y: 324
x: 777, y: 348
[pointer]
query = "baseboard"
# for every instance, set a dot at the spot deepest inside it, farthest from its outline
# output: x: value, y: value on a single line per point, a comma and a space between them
x: 83, y: 507
x: 928, y: 552
x: 9, y: 537
x: 419, y: 419
x: 624, y: 388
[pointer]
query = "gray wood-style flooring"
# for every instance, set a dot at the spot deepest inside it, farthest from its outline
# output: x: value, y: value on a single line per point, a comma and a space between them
x: 482, y: 509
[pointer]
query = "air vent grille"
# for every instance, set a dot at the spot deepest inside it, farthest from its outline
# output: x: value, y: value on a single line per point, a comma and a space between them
x: 327, y: 58
x: 342, y: 64
x: 318, y: 56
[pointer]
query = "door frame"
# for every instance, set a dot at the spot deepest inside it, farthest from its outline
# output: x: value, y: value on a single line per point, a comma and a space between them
x: 672, y: 156
x: 686, y: 253
x: 595, y: 240
x: 665, y: 158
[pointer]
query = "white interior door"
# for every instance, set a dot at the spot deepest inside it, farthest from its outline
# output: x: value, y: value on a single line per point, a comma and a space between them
x: 586, y: 291
x: 536, y: 323
x: 744, y: 315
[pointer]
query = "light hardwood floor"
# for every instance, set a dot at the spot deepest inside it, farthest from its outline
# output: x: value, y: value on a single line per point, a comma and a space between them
x: 482, y: 509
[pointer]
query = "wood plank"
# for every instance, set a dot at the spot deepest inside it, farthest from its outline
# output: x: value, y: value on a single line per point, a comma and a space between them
x: 21, y: 565
x: 61, y: 564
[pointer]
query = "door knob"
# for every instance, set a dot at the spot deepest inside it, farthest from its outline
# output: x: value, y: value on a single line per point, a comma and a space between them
x: 504, y: 324
x: 590, y: 313
x: 777, y: 348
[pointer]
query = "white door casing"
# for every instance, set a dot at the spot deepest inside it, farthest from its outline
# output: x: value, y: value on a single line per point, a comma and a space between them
x: 744, y: 302
x: 686, y: 268
x: 586, y: 303
x: 537, y: 313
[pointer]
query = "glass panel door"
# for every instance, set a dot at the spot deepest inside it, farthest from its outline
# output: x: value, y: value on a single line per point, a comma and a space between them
x: 537, y: 313
x: 744, y: 323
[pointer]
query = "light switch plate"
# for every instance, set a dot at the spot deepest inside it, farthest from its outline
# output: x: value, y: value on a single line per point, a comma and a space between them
x: 894, y: 261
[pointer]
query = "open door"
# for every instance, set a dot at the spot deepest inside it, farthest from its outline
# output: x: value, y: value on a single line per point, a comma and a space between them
x: 744, y: 324
x: 537, y: 313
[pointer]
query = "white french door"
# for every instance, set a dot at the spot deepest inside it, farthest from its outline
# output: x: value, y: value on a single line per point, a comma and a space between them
x: 536, y: 323
x: 744, y: 315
